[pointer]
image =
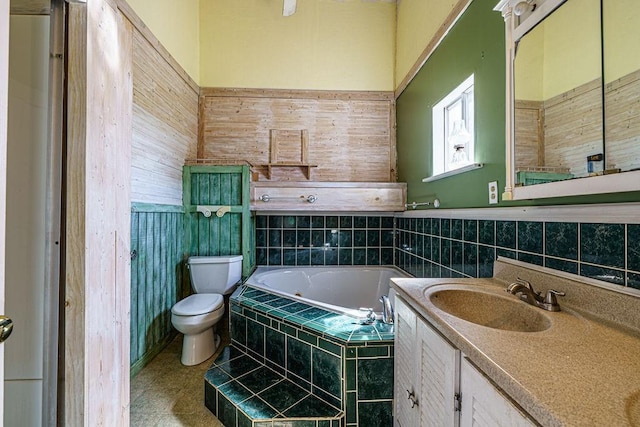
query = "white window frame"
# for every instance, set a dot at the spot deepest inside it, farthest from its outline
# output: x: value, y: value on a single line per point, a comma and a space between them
x: 442, y: 152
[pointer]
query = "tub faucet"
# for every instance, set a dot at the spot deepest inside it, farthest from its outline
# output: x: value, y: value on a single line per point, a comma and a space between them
x: 369, y: 317
x: 527, y: 294
x: 387, y: 309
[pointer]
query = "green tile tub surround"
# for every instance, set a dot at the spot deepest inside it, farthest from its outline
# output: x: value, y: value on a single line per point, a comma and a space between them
x: 257, y: 395
x: 324, y: 240
x: 375, y: 413
x: 608, y: 252
x: 330, y: 355
x: 337, y: 327
x: 633, y: 247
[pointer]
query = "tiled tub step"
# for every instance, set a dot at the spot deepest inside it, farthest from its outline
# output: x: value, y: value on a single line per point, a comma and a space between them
x: 243, y: 392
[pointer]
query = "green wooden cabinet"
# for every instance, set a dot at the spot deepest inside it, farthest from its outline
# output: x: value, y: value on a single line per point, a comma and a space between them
x: 222, y: 193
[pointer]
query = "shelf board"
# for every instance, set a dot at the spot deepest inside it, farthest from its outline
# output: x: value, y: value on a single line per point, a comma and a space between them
x: 306, y: 167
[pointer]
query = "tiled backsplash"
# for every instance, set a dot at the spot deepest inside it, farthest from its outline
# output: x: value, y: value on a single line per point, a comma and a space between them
x: 450, y: 247
x: 324, y: 240
x: 443, y: 247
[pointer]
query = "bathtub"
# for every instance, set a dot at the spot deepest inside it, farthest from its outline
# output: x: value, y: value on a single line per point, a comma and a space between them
x: 343, y: 289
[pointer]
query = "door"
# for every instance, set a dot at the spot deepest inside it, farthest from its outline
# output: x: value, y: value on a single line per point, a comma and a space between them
x: 26, y: 207
x: 4, y: 84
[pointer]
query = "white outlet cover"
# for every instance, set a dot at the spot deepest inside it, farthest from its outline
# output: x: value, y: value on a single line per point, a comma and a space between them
x: 493, y: 192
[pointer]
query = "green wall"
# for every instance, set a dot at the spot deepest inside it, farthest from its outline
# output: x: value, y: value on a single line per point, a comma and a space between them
x: 474, y: 45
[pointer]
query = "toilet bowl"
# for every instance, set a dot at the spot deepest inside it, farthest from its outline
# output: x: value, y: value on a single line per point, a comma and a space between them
x: 196, y: 315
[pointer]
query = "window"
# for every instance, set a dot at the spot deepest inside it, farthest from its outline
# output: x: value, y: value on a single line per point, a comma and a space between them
x: 453, y: 130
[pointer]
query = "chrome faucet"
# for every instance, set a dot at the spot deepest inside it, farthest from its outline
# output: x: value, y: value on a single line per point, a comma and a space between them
x: 369, y: 317
x: 527, y: 294
x: 387, y: 309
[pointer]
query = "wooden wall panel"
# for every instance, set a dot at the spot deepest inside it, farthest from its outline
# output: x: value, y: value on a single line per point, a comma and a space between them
x: 622, y: 122
x: 165, y: 126
x: 529, y: 136
x: 573, y: 128
x: 329, y: 196
x: 574, y: 117
x: 97, y: 270
x: 156, y: 279
x: 351, y: 135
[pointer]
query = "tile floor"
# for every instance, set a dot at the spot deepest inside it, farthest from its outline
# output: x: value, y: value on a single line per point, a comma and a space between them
x: 166, y: 393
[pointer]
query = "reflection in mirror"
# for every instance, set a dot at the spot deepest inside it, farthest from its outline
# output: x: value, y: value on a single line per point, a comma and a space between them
x: 558, y: 96
x: 621, y: 36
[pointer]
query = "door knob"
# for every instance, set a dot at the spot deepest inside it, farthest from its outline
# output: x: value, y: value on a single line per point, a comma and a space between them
x: 6, y: 326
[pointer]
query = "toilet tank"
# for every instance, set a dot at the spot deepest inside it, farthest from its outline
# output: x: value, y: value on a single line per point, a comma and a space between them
x: 215, y: 274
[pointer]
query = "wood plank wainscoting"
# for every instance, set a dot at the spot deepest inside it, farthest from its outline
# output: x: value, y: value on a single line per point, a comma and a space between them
x: 165, y: 125
x: 351, y: 135
x: 164, y: 135
x: 621, y: 123
x: 157, y: 278
x: 545, y: 130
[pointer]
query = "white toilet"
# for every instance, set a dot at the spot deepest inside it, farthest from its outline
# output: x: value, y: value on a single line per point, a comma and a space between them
x: 211, y: 278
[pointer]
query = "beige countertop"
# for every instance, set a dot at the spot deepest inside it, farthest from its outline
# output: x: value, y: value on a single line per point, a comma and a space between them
x: 581, y: 371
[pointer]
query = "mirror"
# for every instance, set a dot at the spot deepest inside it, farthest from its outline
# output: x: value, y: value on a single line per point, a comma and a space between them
x: 621, y: 38
x: 573, y: 97
x: 558, y: 96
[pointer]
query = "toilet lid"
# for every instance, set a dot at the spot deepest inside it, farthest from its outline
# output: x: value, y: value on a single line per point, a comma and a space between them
x: 197, y: 304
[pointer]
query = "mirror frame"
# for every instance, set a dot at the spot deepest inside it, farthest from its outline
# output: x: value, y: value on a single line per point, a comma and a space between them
x: 515, y: 28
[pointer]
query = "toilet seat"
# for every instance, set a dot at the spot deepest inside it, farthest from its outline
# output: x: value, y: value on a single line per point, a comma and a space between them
x: 196, y: 304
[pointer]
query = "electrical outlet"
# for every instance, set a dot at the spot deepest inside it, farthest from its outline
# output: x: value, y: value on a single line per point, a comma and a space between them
x: 493, y: 192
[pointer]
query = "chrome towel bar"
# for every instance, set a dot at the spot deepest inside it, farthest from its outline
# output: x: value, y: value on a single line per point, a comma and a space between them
x: 310, y: 198
x: 414, y: 205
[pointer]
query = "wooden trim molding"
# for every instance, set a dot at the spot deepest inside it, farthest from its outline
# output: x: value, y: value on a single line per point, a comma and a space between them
x: 437, y: 38
x: 617, y: 213
x: 30, y: 7
x: 139, y: 25
x: 156, y: 208
x: 297, y: 94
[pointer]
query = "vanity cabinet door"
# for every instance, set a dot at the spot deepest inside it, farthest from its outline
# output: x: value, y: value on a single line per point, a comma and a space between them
x: 483, y: 404
x: 426, y: 373
x: 405, y: 383
x: 438, y: 374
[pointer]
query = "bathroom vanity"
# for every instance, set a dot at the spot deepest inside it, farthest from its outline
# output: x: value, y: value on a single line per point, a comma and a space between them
x: 468, y: 351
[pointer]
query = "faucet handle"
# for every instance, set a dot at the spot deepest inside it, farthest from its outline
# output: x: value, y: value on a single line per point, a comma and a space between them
x: 524, y: 283
x: 550, y: 298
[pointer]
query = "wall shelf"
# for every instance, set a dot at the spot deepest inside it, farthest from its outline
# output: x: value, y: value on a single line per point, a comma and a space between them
x: 306, y: 168
x: 328, y: 196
